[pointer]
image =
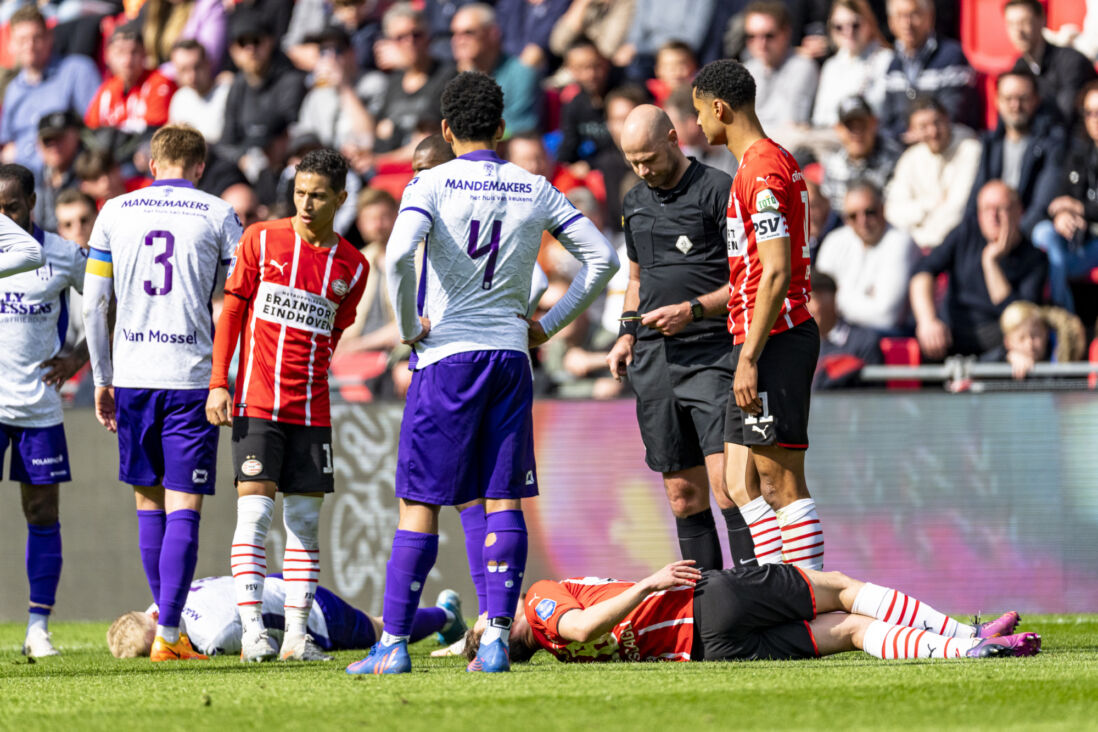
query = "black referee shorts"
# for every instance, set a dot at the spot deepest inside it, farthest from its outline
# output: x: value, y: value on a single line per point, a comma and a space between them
x: 296, y: 458
x: 680, y: 388
x: 786, y: 368
x: 753, y: 614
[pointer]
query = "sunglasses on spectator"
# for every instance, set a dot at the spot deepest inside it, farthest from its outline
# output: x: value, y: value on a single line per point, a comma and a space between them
x: 410, y: 36
x: 245, y: 41
x: 467, y: 32
x: 852, y: 27
x: 769, y: 36
x: 869, y: 213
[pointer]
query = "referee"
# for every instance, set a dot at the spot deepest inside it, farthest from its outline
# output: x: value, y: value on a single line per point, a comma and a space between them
x: 673, y: 340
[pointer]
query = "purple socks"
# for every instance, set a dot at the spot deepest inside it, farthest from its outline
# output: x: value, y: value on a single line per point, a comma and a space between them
x: 413, y: 556
x: 177, y: 560
x: 473, y: 521
x: 150, y: 537
x: 43, y: 565
x: 505, y: 559
x: 427, y: 620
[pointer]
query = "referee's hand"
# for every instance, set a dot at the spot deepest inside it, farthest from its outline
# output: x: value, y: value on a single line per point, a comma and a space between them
x: 620, y: 356
x: 219, y: 407
x: 669, y: 319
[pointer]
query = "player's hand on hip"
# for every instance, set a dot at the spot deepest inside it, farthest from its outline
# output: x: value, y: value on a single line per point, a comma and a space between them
x: 669, y: 319
x: 219, y: 407
x: 676, y: 574
x: 620, y: 356
x: 536, y: 335
x: 746, y: 386
x: 60, y: 370
x: 104, y: 407
x: 425, y: 324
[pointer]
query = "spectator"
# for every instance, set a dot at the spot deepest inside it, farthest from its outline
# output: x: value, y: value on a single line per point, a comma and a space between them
x: 134, y: 98
x: 525, y: 26
x: 440, y: 16
x: 655, y: 22
x: 200, y: 99
x: 1026, y: 332
x: 785, y: 81
x: 676, y: 65
x: 100, y: 176
x: 375, y: 326
x: 476, y: 44
x: 362, y: 21
x: 923, y: 63
x: 42, y: 86
x: 1061, y: 72
x: 822, y: 220
x: 606, y: 22
x: 870, y: 261
x: 933, y: 178
x: 264, y: 97
x: 1070, y: 237
x: 618, y: 177
x: 991, y: 263
x: 844, y: 348
x: 331, y: 110
x: 166, y: 22
x: 858, y: 66
x: 58, y: 146
x: 414, y: 85
x: 865, y: 153
x: 74, y: 214
x: 680, y: 108
x: 1025, y: 151
x: 583, y: 116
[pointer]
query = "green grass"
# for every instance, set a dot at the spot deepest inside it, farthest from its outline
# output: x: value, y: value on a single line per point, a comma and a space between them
x: 86, y: 688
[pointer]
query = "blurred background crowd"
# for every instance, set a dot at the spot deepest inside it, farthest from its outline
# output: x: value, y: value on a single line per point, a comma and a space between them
x: 951, y: 148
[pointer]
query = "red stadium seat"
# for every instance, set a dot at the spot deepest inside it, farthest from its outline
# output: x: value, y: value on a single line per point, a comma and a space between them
x: 1062, y: 12
x: 901, y: 352
x: 361, y: 367
x: 984, y: 38
x: 1092, y: 356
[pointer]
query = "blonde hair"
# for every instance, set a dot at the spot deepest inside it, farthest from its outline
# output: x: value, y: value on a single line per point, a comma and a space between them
x: 179, y: 144
x: 128, y: 637
x: 1071, y: 340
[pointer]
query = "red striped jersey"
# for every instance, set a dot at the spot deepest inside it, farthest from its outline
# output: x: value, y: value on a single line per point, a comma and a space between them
x: 661, y: 628
x: 299, y: 299
x: 769, y: 201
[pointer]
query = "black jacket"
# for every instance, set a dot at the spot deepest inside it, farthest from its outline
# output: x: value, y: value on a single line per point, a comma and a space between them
x: 1061, y: 72
x: 1080, y: 179
x: 256, y: 115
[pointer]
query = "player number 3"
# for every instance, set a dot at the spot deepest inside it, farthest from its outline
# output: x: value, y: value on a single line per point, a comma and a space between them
x: 163, y: 259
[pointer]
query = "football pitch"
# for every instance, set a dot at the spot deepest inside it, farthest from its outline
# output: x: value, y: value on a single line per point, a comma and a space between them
x: 88, y: 689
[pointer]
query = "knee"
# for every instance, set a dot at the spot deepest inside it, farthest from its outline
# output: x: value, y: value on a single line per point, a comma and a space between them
x: 40, y: 508
x: 302, y: 517
x: 1047, y: 238
x: 684, y: 498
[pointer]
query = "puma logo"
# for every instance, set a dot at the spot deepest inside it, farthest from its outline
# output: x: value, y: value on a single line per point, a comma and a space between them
x: 281, y: 267
x: 762, y: 430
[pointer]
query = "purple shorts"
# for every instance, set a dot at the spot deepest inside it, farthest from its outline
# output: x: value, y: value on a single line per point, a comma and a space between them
x: 164, y: 439
x: 468, y: 430
x: 39, y: 455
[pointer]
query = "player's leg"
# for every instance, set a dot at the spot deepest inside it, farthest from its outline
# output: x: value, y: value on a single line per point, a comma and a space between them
x: 688, y: 495
x: 473, y: 523
x: 782, y: 482
x: 178, y: 557
x: 150, y: 532
x: 742, y: 483
x: 741, y: 547
x: 307, y: 475
x: 39, y: 461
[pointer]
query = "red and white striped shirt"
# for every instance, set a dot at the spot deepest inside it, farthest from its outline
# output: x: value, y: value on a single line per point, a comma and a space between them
x: 660, y: 628
x: 297, y: 299
x: 769, y: 200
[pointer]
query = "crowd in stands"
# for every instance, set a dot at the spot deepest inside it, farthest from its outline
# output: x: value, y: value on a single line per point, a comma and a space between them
x: 951, y: 204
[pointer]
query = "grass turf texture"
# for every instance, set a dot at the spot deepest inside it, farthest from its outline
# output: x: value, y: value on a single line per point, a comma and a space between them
x: 87, y: 688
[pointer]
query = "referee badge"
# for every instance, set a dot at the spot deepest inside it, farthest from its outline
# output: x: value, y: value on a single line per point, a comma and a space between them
x: 684, y: 244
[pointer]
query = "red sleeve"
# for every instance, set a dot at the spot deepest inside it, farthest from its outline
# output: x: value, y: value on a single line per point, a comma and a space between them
x: 244, y: 269
x: 160, y: 98
x: 225, y: 337
x: 91, y: 116
x: 546, y: 604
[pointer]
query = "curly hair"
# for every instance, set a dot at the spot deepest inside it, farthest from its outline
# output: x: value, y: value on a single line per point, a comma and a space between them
x: 472, y: 104
x: 728, y: 81
x: 327, y: 162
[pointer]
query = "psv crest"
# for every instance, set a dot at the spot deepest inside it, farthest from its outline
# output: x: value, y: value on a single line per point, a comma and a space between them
x: 684, y: 244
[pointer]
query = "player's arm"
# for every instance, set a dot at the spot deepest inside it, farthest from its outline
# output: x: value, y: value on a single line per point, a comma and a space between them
x: 670, y: 319
x: 98, y: 293
x: 240, y: 287
x: 411, y: 226
x: 593, y: 622
x: 775, y: 259
x: 586, y: 243
x: 539, y: 283
x: 19, y: 251
x: 621, y: 355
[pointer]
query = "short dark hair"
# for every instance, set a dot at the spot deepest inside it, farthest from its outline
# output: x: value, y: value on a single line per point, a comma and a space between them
x: 1020, y: 73
x: 93, y: 164
x: 774, y: 8
x: 27, y: 14
x: 472, y: 105
x: 582, y: 42
x: 19, y: 174
x: 69, y: 196
x: 727, y: 80
x: 327, y: 162
x: 678, y: 46
x: 821, y: 282
x: 1034, y: 6
x: 634, y: 93
x: 435, y: 147
x: 189, y: 44
x: 924, y: 102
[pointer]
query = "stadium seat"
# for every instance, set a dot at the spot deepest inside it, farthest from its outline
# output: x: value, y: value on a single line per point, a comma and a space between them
x: 358, y: 368
x: 1062, y: 12
x: 983, y: 36
x: 901, y: 352
x: 1092, y: 356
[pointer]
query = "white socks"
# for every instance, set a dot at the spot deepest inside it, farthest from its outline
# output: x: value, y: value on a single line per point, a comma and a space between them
x: 498, y: 629
x: 301, y: 565
x: 892, y: 641
x: 248, y: 558
x: 763, y: 524
x: 896, y: 608
x: 802, y: 534
x: 170, y: 634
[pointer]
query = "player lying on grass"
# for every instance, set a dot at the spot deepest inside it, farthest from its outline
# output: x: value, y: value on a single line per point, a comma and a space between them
x: 774, y: 611
x: 214, y: 628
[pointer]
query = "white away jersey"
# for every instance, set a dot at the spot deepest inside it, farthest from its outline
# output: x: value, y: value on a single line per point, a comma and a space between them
x: 213, y: 624
x: 34, y: 316
x: 165, y: 244
x: 487, y: 217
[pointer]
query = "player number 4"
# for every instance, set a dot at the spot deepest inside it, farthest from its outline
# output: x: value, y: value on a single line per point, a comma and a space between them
x: 491, y: 249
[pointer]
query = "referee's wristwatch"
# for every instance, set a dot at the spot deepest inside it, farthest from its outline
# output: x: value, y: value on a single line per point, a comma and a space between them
x: 697, y: 310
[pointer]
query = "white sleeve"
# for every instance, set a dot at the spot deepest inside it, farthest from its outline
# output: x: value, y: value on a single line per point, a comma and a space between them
x: 97, y: 303
x: 539, y: 283
x: 19, y: 251
x: 79, y: 265
x: 231, y: 231
x: 586, y: 243
x: 400, y: 268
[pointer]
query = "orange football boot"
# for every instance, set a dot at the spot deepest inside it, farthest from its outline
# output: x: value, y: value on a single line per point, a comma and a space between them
x: 180, y: 651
